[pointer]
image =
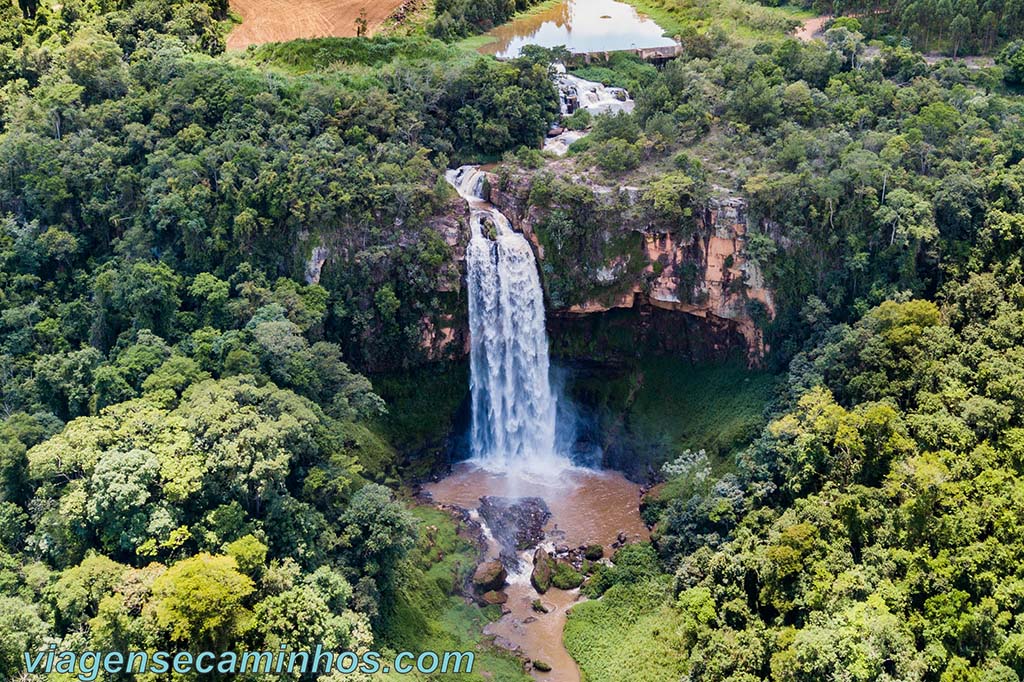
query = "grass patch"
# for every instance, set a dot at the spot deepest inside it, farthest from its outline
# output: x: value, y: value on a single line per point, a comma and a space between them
x: 631, y: 634
x: 474, y: 43
x: 742, y: 21
x: 654, y: 409
x: 317, y: 54
x: 427, y: 617
x: 717, y: 408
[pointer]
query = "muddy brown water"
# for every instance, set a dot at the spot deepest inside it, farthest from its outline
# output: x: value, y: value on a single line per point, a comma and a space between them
x: 587, y: 507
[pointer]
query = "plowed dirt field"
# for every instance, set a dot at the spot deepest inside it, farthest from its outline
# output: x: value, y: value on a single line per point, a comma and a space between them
x: 268, y: 21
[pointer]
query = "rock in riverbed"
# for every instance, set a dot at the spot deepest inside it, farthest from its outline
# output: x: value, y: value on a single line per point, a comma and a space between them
x: 516, y: 523
x: 543, y: 570
x: 489, y: 576
x: 494, y: 597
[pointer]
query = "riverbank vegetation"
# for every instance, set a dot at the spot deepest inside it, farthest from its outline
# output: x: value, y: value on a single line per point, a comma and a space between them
x: 739, y: 20
x: 461, y: 18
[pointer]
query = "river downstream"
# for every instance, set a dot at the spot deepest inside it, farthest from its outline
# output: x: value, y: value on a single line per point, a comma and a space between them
x: 587, y: 507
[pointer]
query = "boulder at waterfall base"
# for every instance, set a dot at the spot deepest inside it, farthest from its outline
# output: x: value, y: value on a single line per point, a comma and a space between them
x: 489, y: 576
x: 543, y: 570
x: 494, y: 597
x: 517, y: 524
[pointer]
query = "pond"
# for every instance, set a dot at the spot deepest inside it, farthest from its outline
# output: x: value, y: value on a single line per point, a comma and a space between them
x: 581, y: 26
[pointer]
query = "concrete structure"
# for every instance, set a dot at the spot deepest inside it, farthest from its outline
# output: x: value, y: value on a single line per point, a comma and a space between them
x: 655, y: 55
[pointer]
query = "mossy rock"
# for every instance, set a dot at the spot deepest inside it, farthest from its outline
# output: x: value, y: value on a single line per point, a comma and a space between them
x: 541, y: 666
x: 566, y: 577
x: 543, y: 570
x: 489, y: 576
x: 538, y: 606
x: 594, y: 552
x: 494, y: 597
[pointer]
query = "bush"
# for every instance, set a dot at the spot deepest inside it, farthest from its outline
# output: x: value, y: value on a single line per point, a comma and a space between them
x: 566, y: 577
x: 630, y: 564
x: 617, y: 156
x: 620, y: 126
x: 580, y: 120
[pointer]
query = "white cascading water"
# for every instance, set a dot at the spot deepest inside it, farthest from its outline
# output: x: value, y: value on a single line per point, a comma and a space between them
x: 597, y: 98
x: 513, y: 405
x: 574, y: 93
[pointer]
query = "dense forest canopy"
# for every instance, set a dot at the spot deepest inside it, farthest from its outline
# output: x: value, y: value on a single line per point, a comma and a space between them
x: 186, y: 458
x: 952, y: 25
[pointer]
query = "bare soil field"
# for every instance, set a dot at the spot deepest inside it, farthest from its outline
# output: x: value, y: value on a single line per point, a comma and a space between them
x: 811, y: 29
x: 268, y: 21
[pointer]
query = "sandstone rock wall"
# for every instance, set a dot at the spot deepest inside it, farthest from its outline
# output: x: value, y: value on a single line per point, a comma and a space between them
x: 702, y: 273
x: 725, y: 282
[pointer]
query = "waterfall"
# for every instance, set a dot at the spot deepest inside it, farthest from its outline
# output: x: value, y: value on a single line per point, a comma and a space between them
x: 597, y: 98
x: 575, y: 93
x: 513, y: 405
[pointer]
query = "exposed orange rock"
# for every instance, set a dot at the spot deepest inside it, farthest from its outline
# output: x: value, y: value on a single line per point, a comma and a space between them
x: 727, y: 281
x: 721, y: 284
x: 443, y: 338
x: 724, y: 265
x: 627, y: 300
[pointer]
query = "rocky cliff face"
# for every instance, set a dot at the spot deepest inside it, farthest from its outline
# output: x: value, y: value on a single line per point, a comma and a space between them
x: 446, y: 335
x: 700, y: 270
x: 443, y: 329
x: 728, y: 282
x: 689, y: 289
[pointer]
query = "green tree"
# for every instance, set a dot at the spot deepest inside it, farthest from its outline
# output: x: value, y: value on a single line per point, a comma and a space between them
x: 376, y: 532
x: 77, y: 593
x: 121, y: 492
x: 21, y: 629
x: 201, y: 602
